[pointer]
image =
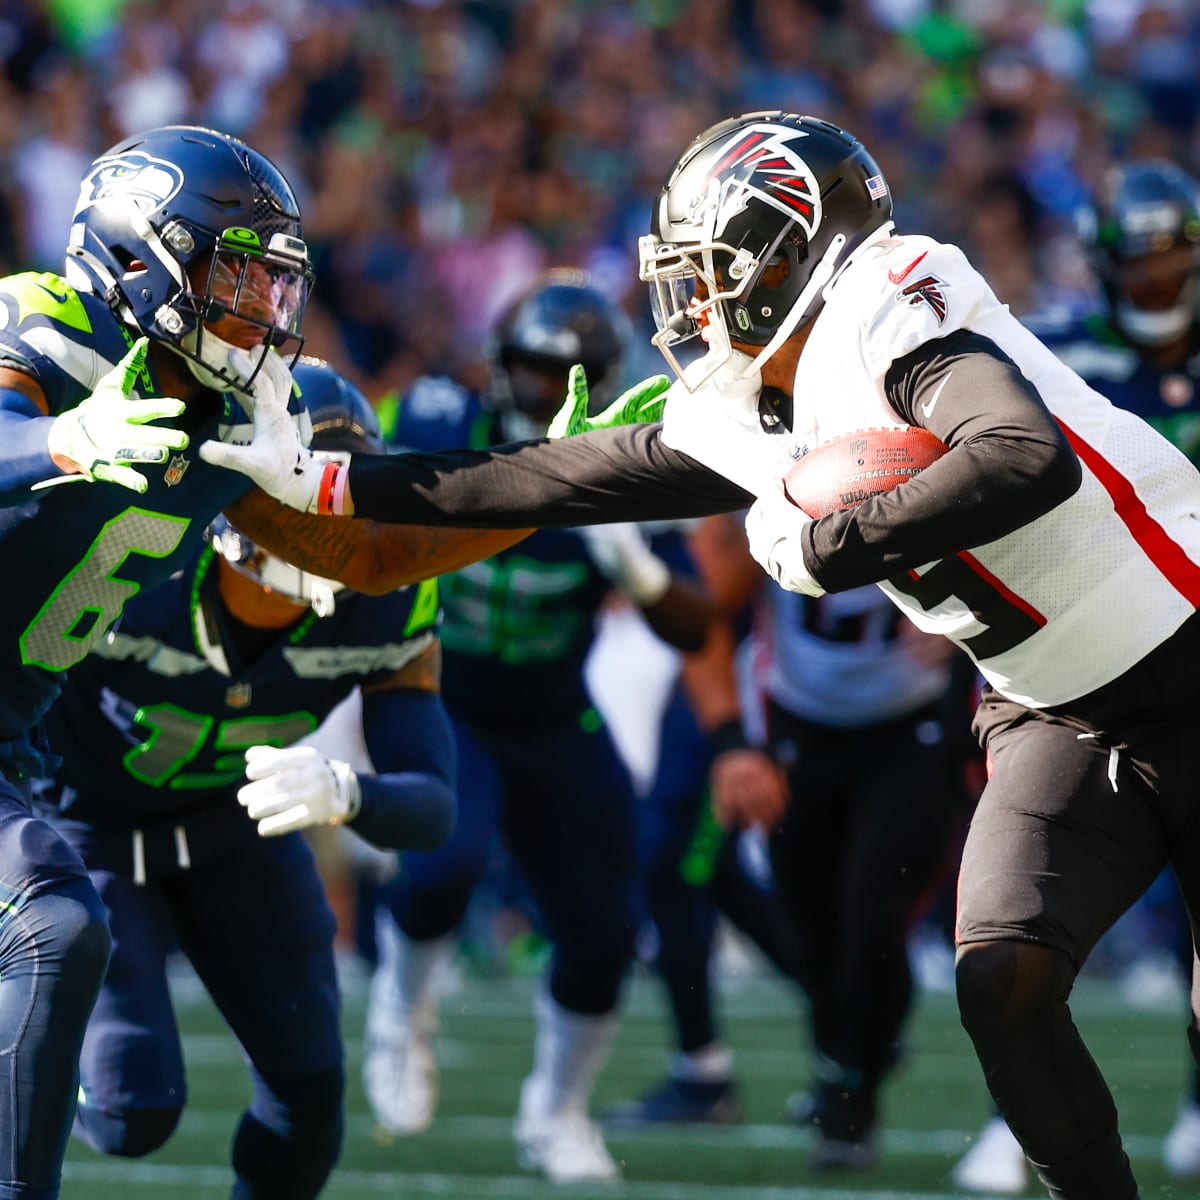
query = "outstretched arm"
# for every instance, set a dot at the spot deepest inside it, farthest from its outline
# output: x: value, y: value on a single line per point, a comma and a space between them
x: 620, y: 474
x: 364, y: 555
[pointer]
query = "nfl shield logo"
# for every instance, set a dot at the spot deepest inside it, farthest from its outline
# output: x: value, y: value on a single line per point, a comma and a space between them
x: 175, y: 469
x: 237, y: 695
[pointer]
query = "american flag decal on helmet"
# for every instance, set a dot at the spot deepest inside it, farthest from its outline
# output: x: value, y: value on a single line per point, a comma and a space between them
x: 926, y: 290
x: 876, y: 188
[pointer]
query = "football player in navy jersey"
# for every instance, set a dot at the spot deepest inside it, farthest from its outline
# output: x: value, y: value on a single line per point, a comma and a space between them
x: 1142, y: 351
x: 185, y: 285
x: 537, y: 763
x: 1057, y: 542
x: 207, y: 679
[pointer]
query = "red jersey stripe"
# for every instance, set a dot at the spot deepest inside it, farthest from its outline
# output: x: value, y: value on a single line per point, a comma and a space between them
x: 1165, y: 553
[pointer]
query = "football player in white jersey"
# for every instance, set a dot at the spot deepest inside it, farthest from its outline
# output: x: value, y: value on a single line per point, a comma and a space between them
x: 1057, y: 542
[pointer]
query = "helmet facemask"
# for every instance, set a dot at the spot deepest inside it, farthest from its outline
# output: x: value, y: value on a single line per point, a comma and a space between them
x: 264, y: 289
x: 756, y: 219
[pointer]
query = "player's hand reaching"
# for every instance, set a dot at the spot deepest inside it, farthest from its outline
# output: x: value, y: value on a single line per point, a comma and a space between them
x: 277, y: 458
x: 643, y: 402
x: 103, y: 434
x: 296, y: 787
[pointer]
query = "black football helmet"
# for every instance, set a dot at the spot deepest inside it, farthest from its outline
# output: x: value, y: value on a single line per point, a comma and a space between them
x: 1142, y: 234
x: 344, y: 423
x: 756, y: 217
x: 561, y: 321
x: 161, y: 203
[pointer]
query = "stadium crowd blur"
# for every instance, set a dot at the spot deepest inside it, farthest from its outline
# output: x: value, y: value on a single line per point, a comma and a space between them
x: 445, y: 151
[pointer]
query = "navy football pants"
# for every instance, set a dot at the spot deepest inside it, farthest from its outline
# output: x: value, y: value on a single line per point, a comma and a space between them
x: 251, y: 915
x: 54, y: 945
x: 563, y: 801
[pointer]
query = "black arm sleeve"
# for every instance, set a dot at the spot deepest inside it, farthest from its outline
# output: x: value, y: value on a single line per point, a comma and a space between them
x: 623, y: 474
x: 1009, y: 463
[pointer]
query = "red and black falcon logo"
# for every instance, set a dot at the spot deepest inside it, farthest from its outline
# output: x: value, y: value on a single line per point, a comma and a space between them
x: 925, y: 290
x: 764, y: 160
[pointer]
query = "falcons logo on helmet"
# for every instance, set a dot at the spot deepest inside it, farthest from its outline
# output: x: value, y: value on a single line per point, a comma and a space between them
x: 925, y: 290
x: 761, y: 161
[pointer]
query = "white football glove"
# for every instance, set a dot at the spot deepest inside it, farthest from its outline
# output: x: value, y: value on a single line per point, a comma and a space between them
x: 296, y: 787
x: 276, y: 459
x: 773, y: 528
x: 621, y: 552
x: 107, y: 430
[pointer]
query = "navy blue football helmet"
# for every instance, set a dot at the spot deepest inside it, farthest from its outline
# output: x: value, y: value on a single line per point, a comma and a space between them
x: 1142, y: 234
x: 561, y: 321
x: 756, y: 217
x: 344, y: 423
x: 181, y: 226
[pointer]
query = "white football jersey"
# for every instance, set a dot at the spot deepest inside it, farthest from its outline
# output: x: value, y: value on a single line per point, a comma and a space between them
x: 1060, y: 606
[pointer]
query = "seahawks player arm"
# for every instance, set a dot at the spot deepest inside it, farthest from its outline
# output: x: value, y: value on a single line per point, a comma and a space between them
x: 25, y: 457
x: 1009, y: 463
x: 620, y: 474
x: 364, y: 555
x: 101, y: 437
x: 408, y: 804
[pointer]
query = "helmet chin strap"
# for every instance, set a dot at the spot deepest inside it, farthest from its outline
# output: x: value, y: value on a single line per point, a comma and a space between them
x: 215, y: 371
x: 822, y: 273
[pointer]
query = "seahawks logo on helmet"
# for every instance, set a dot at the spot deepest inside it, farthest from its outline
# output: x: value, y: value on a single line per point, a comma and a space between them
x: 149, y: 182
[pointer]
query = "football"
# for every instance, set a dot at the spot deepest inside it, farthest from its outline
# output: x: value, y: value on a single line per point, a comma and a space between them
x: 849, y: 469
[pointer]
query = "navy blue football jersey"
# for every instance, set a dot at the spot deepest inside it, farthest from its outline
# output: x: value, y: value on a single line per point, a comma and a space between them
x: 1167, y: 399
x: 154, y: 723
x: 82, y: 550
x: 518, y: 625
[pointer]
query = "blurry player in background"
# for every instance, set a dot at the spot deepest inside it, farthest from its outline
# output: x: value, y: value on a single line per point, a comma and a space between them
x: 856, y: 703
x: 1142, y: 351
x: 210, y: 679
x: 536, y: 763
x: 694, y: 866
x: 186, y: 283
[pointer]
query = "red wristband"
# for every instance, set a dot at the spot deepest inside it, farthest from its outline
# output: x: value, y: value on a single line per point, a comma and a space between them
x: 329, y: 493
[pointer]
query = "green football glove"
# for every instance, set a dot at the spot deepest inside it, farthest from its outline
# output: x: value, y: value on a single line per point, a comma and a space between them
x: 644, y: 402
x: 107, y: 430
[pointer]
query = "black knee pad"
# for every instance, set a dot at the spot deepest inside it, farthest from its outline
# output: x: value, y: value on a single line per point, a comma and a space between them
x: 129, y: 1134
x: 1004, y: 984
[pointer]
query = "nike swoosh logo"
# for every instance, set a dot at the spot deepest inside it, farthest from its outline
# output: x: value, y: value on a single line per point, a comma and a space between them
x: 61, y: 297
x: 927, y: 409
x: 900, y: 276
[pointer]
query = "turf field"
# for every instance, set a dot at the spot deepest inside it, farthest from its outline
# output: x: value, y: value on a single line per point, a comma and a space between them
x: 934, y: 1106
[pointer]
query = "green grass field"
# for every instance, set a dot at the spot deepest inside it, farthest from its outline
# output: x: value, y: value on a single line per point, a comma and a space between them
x: 935, y: 1105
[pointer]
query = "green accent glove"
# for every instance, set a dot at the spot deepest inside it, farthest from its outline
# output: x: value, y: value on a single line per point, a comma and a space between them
x: 644, y: 402
x: 107, y: 429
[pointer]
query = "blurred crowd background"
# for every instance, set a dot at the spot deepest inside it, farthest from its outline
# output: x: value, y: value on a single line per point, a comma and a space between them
x: 447, y: 150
